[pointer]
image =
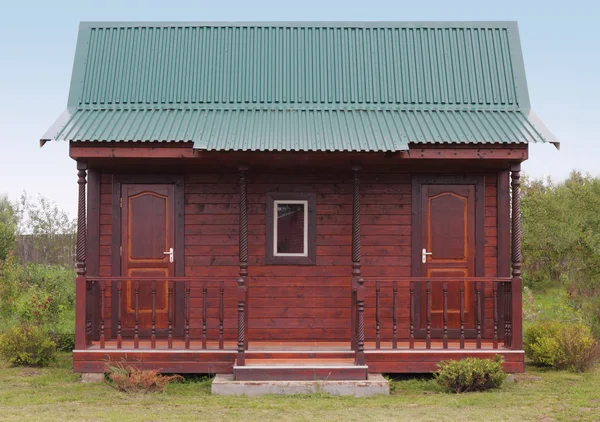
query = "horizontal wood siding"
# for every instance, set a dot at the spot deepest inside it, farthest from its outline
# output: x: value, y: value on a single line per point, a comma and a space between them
x: 300, y: 302
x: 105, y: 268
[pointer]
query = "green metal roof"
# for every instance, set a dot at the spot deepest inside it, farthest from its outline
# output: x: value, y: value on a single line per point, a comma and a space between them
x: 299, y: 86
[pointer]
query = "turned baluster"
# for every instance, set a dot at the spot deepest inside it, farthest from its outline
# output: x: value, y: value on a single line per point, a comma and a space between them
x: 102, y: 312
x: 221, y: 315
x: 187, y: 313
x: 428, y: 314
x: 445, y: 314
x: 204, y: 295
x: 478, y: 312
x: 462, y: 314
x: 495, y: 315
x: 170, y: 315
x: 411, y: 314
x: 119, y: 307
x: 377, y: 321
x: 505, y: 293
x: 136, y: 337
x: 153, y: 335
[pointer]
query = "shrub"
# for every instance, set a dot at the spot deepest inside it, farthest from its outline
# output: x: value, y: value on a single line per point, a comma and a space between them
x: 569, y: 346
x: 65, y: 342
x: 128, y: 378
x: 27, y: 345
x: 470, y: 374
x: 37, y: 294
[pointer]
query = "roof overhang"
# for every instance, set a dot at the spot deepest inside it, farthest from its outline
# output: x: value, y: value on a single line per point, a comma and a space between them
x: 294, y: 129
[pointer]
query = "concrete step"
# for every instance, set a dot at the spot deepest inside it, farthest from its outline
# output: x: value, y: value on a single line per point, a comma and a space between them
x: 225, y: 384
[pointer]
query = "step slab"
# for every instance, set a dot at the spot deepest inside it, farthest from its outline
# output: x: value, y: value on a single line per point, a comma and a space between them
x: 299, y: 370
x: 224, y: 384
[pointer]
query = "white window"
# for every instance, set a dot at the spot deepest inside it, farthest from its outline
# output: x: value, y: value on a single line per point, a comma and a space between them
x: 290, y: 228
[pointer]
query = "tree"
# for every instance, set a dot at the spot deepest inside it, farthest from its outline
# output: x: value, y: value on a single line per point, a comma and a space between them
x: 51, y: 230
x: 8, y: 227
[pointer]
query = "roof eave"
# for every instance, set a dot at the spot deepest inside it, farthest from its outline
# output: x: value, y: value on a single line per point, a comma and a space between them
x: 542, y: 129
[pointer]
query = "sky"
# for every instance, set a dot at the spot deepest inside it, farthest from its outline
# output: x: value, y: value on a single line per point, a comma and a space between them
x: 561, y: 48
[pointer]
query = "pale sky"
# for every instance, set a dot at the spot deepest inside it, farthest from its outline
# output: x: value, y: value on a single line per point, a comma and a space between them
x: 561, y: 47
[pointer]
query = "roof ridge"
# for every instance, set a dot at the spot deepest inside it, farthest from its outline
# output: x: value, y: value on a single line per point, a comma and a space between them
x: 286, y: 107
x: 339, y: 24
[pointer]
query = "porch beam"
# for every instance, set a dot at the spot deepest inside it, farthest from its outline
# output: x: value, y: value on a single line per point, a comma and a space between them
x: 426, y: 152
x: 357, y: 280
x: 243, y: 274
x: 81, y: 321
x: 80, y: 151
x: 516, y: 291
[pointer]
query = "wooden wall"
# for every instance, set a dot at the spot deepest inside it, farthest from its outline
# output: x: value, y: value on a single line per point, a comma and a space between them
x: 300, y: 302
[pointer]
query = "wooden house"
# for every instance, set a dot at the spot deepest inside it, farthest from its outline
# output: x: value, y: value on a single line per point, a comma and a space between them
x: 298, y: 200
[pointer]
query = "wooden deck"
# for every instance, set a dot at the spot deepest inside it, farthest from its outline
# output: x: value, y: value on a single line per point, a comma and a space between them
x: 212, y: 360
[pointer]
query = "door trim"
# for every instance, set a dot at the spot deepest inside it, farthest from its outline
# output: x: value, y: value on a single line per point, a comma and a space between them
x: 416, y: 225
x: 178, y: 181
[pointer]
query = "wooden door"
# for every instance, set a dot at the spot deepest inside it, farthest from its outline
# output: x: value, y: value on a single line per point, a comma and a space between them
x: 147, y: 235
x: 448, y: 231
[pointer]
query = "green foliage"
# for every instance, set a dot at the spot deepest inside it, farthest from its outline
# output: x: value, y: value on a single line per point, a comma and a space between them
x: 561, y: 240
x: 8, y: 228
x: 65, y: 342
x: 27, y: 345
x: 568, y: 346
x: 553, y: 304
x: 470, y: 374
x: 36, y: 293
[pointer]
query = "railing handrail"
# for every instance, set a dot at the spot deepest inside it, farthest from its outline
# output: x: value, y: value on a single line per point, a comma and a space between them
x: 213, y: 281
x: 387, y: 279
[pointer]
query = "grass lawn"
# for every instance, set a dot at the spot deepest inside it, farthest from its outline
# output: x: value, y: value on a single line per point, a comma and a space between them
x: 56, y: 394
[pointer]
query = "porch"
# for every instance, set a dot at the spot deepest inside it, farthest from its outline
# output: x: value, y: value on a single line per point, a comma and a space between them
x: 346, y: 317
x: 209, y: 347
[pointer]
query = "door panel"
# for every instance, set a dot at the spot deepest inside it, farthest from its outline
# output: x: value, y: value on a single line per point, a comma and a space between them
x: 147, y: 232
x: 447, y: 230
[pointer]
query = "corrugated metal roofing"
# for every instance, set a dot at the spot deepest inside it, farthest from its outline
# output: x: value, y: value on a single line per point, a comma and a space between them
x: 299, y: 86
x: 298, y: 130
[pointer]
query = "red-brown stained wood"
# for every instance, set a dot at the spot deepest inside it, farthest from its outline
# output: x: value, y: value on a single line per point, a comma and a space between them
x: 300, y: 293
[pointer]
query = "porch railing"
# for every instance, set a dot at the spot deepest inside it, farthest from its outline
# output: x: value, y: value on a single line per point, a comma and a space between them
x: 99, y: 290
x: 419, y: 291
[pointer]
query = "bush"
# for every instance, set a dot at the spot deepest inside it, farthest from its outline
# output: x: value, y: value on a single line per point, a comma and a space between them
x: 470, y: 374
x: 36, y: 294
x: 128, y: 378
x: 569, y: 346
x: 65, y: 342
x: 27, y: 345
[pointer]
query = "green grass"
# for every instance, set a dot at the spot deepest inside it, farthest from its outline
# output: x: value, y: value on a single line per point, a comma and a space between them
x: 56, y: 394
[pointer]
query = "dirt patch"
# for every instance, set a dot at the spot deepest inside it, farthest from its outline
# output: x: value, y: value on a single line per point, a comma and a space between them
x: 525, y: 377
x: 30, y: 373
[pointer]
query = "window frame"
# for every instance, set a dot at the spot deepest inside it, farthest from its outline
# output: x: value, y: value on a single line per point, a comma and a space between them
x: 310, y: 218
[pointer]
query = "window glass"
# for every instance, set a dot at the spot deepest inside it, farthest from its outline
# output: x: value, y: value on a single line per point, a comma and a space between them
x: 291, y: 228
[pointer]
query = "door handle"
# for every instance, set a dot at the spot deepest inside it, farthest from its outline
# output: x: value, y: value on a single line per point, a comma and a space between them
x: 170, y: 253
x: 424, y: 254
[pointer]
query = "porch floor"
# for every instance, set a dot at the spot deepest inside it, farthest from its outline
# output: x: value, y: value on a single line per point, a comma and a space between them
x: 213, y: 360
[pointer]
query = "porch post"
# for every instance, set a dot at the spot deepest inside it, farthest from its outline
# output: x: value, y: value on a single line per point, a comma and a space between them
x: 516, y: 291
x: 357, y: 280
x: 243, y: 253
x: 81, y: 321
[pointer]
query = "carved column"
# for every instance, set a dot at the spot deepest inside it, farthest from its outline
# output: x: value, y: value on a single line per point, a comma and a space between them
x: 81, y: 324
x: 357, y: 280
x: 243, y: 254
x: 516, y: 291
